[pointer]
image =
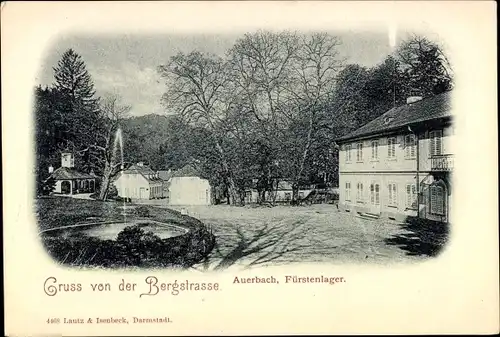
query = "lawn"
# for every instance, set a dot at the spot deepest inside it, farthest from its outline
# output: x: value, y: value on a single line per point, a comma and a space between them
x: 249, y: 236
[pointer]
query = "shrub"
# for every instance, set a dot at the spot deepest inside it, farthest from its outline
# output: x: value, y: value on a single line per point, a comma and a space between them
x: 142, y: 211
x: 45, y: 187
x: 112, y: 191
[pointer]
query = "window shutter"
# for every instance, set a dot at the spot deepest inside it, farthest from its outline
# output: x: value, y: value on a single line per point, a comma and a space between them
x: 414, y: 196
x: 438, y: 143
x: 431, y: 142
x: 440, y: 200
x: 437, y: 200
x: 413, y: 145
x: 435, y: 142
x: 377, y: 194
x: 433, y: 199
x: 407, y: 146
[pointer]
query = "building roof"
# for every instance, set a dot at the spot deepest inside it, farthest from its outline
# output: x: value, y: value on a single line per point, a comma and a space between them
x: 431, y: 108
x: 165, y: 175
x: 188, y: 170
x: 69, y: 173
x: 143, y: 170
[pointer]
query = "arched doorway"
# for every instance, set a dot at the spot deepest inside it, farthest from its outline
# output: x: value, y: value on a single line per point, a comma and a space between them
x: 65, y: 187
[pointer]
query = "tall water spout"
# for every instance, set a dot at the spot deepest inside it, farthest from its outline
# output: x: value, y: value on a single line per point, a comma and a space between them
x: 119, y: 142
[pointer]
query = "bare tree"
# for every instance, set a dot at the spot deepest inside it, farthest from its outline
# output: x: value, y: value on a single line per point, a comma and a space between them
x: 316, y: 66
x: 198, y: 90
x: 103, y: 151
x: 261, y: 70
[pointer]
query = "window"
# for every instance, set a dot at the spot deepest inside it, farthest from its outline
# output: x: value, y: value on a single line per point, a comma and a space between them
x: 288, y: 196
x: 411, y: 196
x: 410, y: 146
x: 301, y: 195
x: 347, y: 191
x: 393, y: 194
x: 359, y: 195
x: 375, y: 194
x: 391, y: 147
x: 437, y: 199
x: 435, y: 142
x: 348, y: 153
x: 359, y: 152
x: 374, y: 149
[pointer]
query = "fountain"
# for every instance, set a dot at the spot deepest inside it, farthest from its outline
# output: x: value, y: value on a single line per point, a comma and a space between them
x: 110, y: 236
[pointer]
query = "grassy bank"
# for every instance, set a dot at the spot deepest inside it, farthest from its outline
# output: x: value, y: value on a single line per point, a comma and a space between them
x: 133, y: 247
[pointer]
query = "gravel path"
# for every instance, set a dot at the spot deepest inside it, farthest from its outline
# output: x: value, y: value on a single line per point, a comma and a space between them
x: 249, y: 237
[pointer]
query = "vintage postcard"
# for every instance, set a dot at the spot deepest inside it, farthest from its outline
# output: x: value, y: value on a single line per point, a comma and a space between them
x: 222, y: 168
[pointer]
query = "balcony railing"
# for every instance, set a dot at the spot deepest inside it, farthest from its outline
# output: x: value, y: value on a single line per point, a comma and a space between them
x: 442, y: 163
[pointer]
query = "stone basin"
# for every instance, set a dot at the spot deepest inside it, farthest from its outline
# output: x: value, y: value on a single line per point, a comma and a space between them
x: 110, y: 230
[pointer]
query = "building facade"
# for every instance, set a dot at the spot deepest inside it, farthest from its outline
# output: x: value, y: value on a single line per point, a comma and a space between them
x: 189, y: 191
x: 400, y: 164
x: 139, y: 182
x: 187, y: 187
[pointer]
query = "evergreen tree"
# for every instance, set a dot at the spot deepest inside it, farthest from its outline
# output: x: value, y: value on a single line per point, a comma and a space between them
x: 78, y: 105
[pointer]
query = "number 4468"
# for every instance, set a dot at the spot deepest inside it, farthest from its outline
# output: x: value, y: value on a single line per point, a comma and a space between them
x: 53, y: 320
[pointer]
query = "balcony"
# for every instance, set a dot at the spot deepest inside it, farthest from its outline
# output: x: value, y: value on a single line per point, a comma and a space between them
x: 442, y: 163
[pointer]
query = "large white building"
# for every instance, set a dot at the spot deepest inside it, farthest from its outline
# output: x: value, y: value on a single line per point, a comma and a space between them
x: 139, y: 182
x: 186, y: 187
x: 400, y: 164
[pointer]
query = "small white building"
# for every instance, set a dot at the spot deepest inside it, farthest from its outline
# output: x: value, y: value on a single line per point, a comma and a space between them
x: 69, y: 180
x: 282, y: 193
x: 139, y: 182
x: 186, y: 187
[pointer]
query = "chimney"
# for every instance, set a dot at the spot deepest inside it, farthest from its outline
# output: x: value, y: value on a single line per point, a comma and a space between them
x: 51, y: 169
x: 413, y: 99
x: 67, y: 160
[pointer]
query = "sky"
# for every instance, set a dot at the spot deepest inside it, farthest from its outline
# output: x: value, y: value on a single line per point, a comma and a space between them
x: 126, y: 64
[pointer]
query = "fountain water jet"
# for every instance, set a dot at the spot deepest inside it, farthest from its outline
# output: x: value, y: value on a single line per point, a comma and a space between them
x: 118, y: 142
